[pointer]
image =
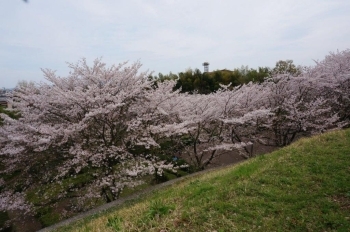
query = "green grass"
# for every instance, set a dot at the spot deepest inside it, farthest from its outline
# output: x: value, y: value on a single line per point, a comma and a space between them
x: 303, y: 187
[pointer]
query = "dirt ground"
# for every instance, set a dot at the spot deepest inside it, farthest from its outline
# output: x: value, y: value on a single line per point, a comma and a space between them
x: 234, y: 156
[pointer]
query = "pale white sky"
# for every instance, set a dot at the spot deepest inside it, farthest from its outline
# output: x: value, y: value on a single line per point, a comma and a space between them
x: 166, y: 35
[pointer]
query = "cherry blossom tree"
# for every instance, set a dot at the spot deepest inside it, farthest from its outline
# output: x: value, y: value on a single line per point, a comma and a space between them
x: 206, y: 126
x: 295, y: 117
x: 87, y: 122
x: 245, y: 113
x: 333, y: 76
x: 192, y: 125
x: 314, y: 101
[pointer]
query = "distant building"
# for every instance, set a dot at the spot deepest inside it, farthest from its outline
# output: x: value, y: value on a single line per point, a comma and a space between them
x: 206, y: 67
x: 3, y: 101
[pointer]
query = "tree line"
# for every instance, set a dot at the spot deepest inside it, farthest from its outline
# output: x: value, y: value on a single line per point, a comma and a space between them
x: 193, y: 80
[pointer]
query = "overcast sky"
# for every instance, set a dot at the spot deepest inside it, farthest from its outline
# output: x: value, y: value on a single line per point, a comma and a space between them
x: 166, y: 35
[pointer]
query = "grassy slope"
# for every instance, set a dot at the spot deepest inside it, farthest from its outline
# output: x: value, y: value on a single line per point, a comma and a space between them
x: 303, y: 187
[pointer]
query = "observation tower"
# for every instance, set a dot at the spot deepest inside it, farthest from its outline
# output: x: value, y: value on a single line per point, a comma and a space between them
x: 206, y: 67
